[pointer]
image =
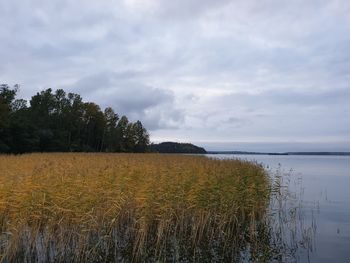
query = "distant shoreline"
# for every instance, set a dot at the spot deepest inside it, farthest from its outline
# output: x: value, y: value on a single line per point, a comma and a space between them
x: 284, y: 153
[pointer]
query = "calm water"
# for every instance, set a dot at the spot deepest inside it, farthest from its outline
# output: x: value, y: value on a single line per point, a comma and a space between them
x: 325, y: 183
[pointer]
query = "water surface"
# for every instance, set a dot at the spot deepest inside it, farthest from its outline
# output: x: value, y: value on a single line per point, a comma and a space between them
x: 325, y: 184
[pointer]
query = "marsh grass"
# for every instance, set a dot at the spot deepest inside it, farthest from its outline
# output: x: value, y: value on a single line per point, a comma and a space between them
x: 291, y: 219
x: 134, y: 207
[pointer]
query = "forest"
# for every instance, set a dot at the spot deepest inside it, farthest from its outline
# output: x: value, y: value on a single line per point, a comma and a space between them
x: 175, y: 147
x: 56, y: 121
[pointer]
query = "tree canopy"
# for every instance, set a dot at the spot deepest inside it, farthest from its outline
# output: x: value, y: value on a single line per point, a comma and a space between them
x: 175, y: 147
x: 61, y: 122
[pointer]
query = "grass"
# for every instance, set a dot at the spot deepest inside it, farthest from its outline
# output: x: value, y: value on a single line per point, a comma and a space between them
x: 132, y: 207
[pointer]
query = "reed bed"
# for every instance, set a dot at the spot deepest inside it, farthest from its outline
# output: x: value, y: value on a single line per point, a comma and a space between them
x: 132, y: 207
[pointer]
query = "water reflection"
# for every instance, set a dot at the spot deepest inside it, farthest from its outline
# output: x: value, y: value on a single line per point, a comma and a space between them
x: 325, y: 200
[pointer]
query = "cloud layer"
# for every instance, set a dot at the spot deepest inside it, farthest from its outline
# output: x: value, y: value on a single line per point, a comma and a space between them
x: 214, y: 71
x: 154, y: 106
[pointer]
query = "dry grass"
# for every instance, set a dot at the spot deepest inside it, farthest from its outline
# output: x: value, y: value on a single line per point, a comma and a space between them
x: 130, y: 207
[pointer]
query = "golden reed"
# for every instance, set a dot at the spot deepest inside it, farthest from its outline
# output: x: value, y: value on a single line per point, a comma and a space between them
x: 80, y: 207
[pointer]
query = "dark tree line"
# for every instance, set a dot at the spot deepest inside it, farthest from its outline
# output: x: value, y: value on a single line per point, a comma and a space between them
x: 175, y: 147
x: 61, y: 122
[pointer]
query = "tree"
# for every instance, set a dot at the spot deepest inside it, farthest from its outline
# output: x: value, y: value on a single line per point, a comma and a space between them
x: 140, y: 137
x: 74, y: 122
x: 42, y: 108
x: 7, y: 96
x: 110, y: 137
x: 57, y: 121
x: 122, y: 134
x: 94, y: 124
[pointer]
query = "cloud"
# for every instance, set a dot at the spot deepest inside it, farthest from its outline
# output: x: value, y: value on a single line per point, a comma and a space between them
x: 186, y: 9
x: 287, y: 98
x: 154, y: 106
x: 208, y: 70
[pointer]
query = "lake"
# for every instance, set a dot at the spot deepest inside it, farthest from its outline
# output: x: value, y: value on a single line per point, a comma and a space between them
x: 325, y: 186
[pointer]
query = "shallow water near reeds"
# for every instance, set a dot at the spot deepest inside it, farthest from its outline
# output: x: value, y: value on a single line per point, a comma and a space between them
x: 323, y: 183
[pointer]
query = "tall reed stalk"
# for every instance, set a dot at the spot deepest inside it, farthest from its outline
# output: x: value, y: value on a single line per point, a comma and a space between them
x: 132, y: 207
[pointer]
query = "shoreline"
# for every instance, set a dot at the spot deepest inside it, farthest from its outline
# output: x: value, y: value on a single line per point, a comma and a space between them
x: 283, y: 153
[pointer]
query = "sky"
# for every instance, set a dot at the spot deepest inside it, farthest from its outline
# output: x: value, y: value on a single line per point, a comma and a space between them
x: 228, y: 75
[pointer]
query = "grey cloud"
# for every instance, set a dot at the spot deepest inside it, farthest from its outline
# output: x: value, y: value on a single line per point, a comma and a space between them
x: 187, y: 9
x: 211, y: 69
x: 57, y: 51
x: 289, y: 97
x: 154, y: 106
x: 236, y: 122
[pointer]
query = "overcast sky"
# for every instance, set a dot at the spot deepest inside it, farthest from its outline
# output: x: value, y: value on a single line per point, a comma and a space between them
x: 223, y: 74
